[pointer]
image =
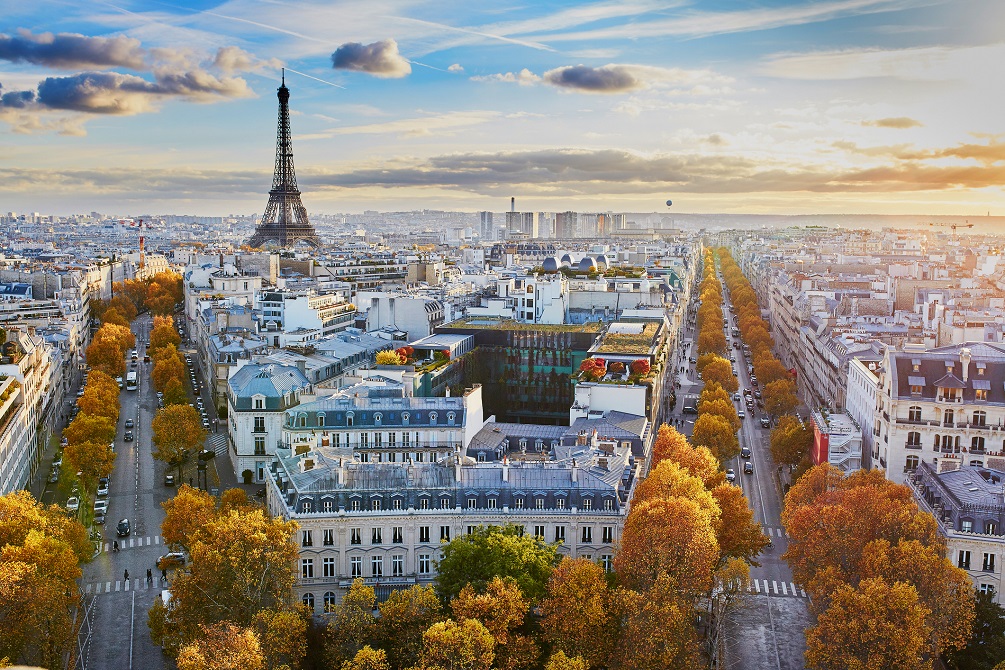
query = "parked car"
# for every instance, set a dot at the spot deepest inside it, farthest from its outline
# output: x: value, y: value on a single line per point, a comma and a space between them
x: 101, y: 504
x: 73, y: 504
x: 122, y: 529
x: 690, y: 409
x: 120, y: 382
x: 99, y: 517
x: 168, y: 480
x: 765, y: 422
x: 103, y: 486
x: 54, y: 477
x: 171, y: 559
x: 730, y: 475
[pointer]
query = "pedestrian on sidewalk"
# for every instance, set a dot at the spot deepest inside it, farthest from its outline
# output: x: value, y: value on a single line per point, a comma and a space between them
x: 125, y: 576
x: 150, y: 577
x: 164, y: 575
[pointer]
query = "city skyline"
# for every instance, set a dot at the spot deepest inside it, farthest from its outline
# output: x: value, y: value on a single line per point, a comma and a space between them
x: 846, y: 106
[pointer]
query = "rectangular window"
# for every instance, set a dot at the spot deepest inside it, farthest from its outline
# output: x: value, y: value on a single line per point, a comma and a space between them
x: 539, y: 503
x: 377, y: 566
x: 471, y: 530
x: 444, y: 533
x: 967, y: 526
x: 472, y: 503
x: 306, y: 538
x: 423, y: 533
x: 329, y: 539
x: 355, y: 536
x: 608, y: 534
x: 396, y: 503
x: 587, y: 503
x: 354, y: 505
x: 424, y: 564
x: 980, y: 394
x: 397, y: 565
x: 376, y: 536
x: 538, y: 532
x: 259, y: 403
x: 608, y: 505
x: 559, y: 533
x: 444, y: 503
x: 259, y: 424
x: 375, y: 504
x: 989, y: 562
x: 423, y: 503
x: 392, y: 439
x: 587, y: 534
x: 560, y: 503
x: 518, y: 503
x: 987, y: 588
x: 356, y: 564
x: 329, y: 567
x: 964, y: 560
x: 397, y: 535
x: 307, y: 568
x: 259, y: 445
x: 327, y: 505
x: 490, y: 503
x: 607, y: 561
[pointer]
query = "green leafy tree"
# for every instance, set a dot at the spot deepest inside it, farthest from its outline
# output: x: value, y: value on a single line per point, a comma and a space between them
x: 495, y: 552
x: 986, y: 646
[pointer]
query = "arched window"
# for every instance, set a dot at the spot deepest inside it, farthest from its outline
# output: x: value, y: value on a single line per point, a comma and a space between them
x: 450, y: 418
x: 330, y: 601
x: 348, y: 418
x: 914, y: 439
x: 538, y: 444
x: 980, y: 418
x: 321, y: 419
x: 432, y: 418
x: 948, y: 418
x: 912, y: 462
x: 936, y: 445
x: 991, y: 527
x: 977, y: 444
x: 308, y: 600
x: 302, y: 420
x: 404, y: 418
x: 914, y: 413
x: 523, y: 445
x: 377, y: 418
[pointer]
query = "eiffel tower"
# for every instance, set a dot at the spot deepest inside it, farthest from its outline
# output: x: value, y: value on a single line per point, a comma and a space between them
x: 285, y: 222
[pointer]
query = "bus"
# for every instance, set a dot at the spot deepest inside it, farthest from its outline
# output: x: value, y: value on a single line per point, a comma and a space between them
x: 131, y: 381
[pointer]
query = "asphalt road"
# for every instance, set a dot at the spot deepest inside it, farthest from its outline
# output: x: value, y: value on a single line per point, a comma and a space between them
x: 115, y: 634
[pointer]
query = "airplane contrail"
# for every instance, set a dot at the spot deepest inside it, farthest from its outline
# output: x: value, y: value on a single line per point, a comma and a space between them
x: 304, y: 74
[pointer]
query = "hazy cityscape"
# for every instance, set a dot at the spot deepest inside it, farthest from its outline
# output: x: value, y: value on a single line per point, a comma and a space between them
x: 569, y: 336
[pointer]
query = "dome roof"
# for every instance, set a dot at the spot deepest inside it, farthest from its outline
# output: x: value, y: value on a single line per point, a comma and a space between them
x: 550, y: 264
x: 601, y: 261
x: 587, y: 263
x: 567, y: 259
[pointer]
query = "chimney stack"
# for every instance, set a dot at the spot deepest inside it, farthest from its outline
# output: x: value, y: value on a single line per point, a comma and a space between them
x: 575, y: 471
x: 965, y: 362
x: 505, y: 468
x: 512, y: 204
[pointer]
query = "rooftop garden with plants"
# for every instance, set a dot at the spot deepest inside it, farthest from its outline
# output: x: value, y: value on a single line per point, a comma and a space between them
x: 630, y: 343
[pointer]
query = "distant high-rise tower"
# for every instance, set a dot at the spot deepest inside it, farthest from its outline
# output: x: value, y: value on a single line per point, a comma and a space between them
x: 285, y: 221
x: 486, y: 228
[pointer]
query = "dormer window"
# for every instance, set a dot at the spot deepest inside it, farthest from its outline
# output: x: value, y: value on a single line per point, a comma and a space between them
x: 916, y: 390
x: 321, y: 419
x: 377, y: 417
x: 432, y: 418
x: 259, y: 403
x: 348, y: 419
x: 450, y: 418
x: 980, y: 369
x: 404, y: 418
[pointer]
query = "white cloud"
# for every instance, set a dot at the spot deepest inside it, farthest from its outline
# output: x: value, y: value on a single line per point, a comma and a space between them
x: 524, y: 77
x: 439, y: 124
x: 456, y: 67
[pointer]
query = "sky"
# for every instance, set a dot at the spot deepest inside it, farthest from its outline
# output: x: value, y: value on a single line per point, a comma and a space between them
x: 729, y: 106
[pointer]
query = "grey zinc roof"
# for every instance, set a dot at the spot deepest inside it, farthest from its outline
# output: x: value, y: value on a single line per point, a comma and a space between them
x: 271, y: 380
x: 971, y: 488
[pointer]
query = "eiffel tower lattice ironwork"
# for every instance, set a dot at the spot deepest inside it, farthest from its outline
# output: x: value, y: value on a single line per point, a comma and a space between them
x: 285, y: 220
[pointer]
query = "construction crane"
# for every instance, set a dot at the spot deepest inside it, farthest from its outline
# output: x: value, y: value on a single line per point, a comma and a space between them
x: 953, y: 226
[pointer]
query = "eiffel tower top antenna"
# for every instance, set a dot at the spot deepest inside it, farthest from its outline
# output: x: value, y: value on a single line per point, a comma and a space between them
x: 285, y: 220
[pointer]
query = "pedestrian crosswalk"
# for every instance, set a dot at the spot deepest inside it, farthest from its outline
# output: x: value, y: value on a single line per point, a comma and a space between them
x: 217, y: 443
x: 775, y: 588
x: 134, y: 542
x: 123, y: 585
x: 775, y: 532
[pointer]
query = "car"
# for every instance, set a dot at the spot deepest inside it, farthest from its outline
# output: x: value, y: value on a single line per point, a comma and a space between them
x: 757, y: 393
x: 73, y: 504
x: 765, y: 422
x: 103, y: 486
x: 690, y: 409
x: 692, y: 360
x: 80, y: 393
x: 742, y: 415
x: 54, y: 477
x: 99, y: 517
x: 730, y: 475
x: 122, y: 529
x: 58, y: 462
x: 168, y: 480
x: 133, y: 355
x: 128, y: 437
x: 160, y: 395
x: 146, y: 358
x: 748, y: 468
x: 745, y: 452
x: 120, y: 382
x: 129, y: 423
x: 736, y: 397
x: 171, y: 559
x: 205, y: 423
x: 101, y: 504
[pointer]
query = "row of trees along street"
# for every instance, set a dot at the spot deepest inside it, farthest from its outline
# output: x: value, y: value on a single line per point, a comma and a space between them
x: 874, y: 565
x: 790, y: 439
x: 717, y: 423
x: 501, y: 599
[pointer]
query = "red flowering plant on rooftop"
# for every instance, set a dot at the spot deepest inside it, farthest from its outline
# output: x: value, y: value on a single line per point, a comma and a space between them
x: 593, y: 369
x: 640, y: 367
x: 407, y: 354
